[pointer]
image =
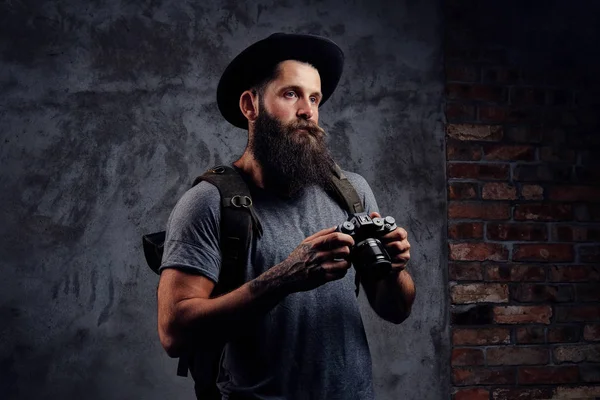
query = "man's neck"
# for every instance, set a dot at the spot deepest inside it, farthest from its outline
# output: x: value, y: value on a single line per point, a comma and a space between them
x: 249, y: 166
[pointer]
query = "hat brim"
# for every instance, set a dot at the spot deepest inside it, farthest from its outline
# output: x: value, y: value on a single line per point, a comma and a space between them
x: 254, y: 63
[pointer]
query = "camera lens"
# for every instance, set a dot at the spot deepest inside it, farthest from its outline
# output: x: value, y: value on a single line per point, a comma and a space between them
x: 371, y: 257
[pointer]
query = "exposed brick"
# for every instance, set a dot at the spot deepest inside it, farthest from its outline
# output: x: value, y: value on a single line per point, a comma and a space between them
x: 516, y: 355
x: 569, y: 233
x: 548, y: 375
x: 524, y: 134
x: 480, y: 336
x: 556, y: 153
x: 577, y: 392
x: 515, y: 273
x: 474, y: 132
x: 476, y: 92
x: 457, y: 111
x: 589, y: 253
x: 532, y: 76
x: 577, y: 353
x: 523, y: 114
x: 465, y: 230
x: 462, y: 210
x: 527, y: 96
x: 543, y: 252
x: 521, y: 394
x: 478, y: 171
x: 532, y: 192
x: 478, y: 251
x: 590, y: 373
x: 591, y: 332
x: 574, y: 193
x: 522, y: 314
x: 554, y: 135
x: 587, y: 292
x: 587, y: 175
x: 467, y: 357
x: 472, y: 394
x: 560, y: 97
x: 564, y: 333
x: 462, y: 72
x: 536, y: 293
x: 479, y: 293
x: 542, y: 173
x: 500, y: 75
x: 587, y: 212
x: 530, y: 334
x: 543, y: 212
x: 483, y: 376
x: 492, y: 114
x: 463, y: 191
x: 465, y: 271
x: 508, y: 153
x: 516, y: 231
x: 499, y: 191
x: 579, y: 313
x: 462, y: 151
x: 575, y: 273
x: 480, y: 314
x: 589, y: 158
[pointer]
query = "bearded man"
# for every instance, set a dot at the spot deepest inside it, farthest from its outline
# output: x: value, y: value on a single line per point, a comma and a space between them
x: 306, y: 339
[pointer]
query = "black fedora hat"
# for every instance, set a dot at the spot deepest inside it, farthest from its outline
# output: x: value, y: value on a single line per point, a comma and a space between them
x: 254, y: 64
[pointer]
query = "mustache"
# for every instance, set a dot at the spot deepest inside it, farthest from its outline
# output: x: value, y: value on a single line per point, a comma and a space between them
x: 311, y: 127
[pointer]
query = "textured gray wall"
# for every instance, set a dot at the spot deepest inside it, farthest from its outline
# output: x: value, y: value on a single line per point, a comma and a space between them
x: 107, y: 112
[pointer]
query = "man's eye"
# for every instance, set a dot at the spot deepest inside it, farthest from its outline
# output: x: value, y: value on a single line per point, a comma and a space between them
x: 290, y: 94
x: 314, y: 100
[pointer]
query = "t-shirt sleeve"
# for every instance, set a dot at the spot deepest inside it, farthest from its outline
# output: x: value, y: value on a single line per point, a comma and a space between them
x: 192, y: 233
x: 364, y: 190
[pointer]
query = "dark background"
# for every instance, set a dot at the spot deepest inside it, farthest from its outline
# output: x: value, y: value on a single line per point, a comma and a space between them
x: 476, y: 124
x: 107, y: 112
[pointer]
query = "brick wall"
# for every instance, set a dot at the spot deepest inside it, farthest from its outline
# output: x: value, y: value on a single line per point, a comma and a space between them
x: 523, y: 173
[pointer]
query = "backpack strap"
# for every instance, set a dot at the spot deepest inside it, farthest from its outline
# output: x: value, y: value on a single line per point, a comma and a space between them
x: 238, y: 223
x: 347, y: 196
x: 345, y: 193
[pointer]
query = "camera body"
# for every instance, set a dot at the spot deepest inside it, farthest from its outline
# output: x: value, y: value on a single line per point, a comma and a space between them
x: 368, y: 254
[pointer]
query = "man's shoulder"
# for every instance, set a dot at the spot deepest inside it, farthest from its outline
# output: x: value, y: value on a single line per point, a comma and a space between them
x: 358, y: 181
x: 197, y: 201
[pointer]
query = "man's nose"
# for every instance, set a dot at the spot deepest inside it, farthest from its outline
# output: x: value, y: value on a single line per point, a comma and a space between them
x: 305, y: 110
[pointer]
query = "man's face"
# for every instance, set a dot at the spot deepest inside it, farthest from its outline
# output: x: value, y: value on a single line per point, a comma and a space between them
x: 295, y: 93
x: 286, y: 139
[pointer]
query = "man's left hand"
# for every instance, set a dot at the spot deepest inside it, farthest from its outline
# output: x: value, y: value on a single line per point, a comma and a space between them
x: 397, y: 245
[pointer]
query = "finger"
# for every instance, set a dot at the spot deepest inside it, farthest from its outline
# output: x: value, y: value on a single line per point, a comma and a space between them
x: 322, y: 232
x: 397, y: 234
x: 339, y: 253
x: 374, y: 214
x: 402, y: 258
x: 334, y: 240
x: 397, y: 247
x: 336, y: 266
x: 335, y: 275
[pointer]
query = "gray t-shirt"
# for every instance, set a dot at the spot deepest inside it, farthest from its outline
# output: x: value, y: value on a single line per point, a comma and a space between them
x: 312, y: 345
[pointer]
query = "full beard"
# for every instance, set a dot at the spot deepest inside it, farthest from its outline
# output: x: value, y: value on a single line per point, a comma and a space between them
x: 291, y: 159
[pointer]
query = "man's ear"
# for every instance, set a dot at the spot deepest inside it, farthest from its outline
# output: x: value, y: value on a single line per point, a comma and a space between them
x: 249, y: 105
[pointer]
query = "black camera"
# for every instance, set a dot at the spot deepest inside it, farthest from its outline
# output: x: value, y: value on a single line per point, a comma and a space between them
x: 368, y: 254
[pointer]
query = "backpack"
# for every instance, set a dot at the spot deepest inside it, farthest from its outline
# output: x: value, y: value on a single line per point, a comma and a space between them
x: 238, y: 223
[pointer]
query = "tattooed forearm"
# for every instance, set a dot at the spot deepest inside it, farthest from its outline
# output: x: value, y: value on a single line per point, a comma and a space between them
x: 300, y: 271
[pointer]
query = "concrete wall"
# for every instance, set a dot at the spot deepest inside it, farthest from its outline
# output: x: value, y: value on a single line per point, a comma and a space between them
x: 108, y: 111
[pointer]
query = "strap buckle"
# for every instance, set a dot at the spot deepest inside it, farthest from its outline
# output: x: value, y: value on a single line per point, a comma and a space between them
x: 241, y: 201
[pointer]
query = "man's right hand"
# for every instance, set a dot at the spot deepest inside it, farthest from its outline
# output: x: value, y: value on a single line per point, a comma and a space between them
x: 319, y: 259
